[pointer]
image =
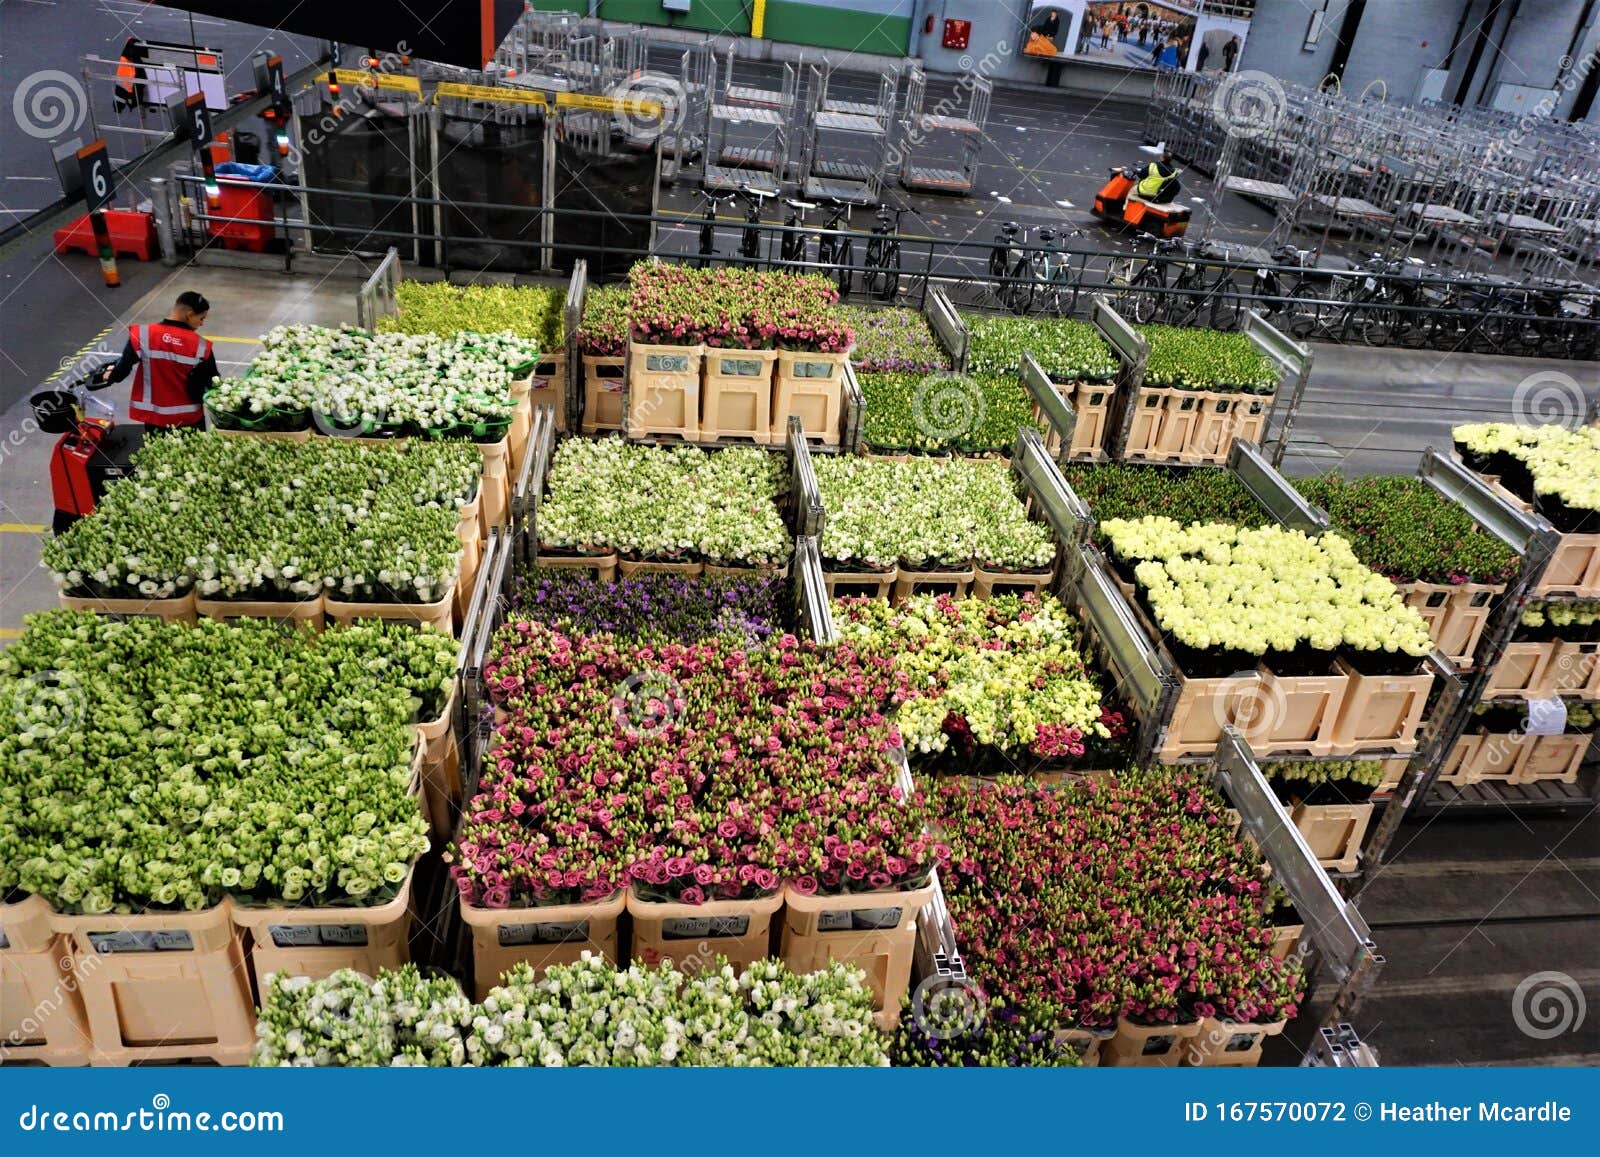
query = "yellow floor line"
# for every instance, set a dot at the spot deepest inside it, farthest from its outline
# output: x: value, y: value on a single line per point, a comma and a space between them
x: 234, y: 340
x: 22, y: 528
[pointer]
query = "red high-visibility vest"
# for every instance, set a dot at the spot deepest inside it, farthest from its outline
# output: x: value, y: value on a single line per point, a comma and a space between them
x: 161, y: 381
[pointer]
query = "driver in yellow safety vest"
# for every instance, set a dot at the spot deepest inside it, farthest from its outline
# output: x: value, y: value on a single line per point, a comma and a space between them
x: 1160, y: 180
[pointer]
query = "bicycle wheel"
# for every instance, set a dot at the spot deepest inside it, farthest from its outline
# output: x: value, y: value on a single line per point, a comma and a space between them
x: 1147, y: 302
x: 891, y: 270
x: 844, y: 274
x: 1304, y: 312
x: 1368, y: 321
x: 997, y: 263
x: 1224, y: 307
x: 1017, y: 293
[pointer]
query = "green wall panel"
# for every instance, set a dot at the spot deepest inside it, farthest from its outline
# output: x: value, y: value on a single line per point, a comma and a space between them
x: 843, y: 28
x: 730, y: 16
x: 580, y: 7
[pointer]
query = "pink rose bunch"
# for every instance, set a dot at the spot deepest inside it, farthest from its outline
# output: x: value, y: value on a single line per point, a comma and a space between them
x: 732, y: 308
x: 695, y: 772
x: 1127, y: 897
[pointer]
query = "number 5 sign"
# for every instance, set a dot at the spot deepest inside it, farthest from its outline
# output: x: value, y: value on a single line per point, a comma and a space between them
x: 199, y: 120
x: 94, y: 168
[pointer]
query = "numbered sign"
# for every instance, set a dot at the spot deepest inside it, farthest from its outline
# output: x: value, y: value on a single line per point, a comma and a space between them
x: 276, y: 85
x: 199, y: 120
x: 94, y: 169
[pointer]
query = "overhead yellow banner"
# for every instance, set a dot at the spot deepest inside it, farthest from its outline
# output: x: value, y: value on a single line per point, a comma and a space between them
x: 613, y: 104
x: 451, y: 90
x: 365, y: 79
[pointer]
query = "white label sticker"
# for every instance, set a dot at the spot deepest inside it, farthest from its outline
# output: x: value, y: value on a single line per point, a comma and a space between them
x: 294, y: 936
x: 106, y: 942
x: 551, y: 932
x: 859, y: 920
x: 698, y: 927
x: 179, y: 941
x: 1546, y: 717
x: 344, y: 934
x: 833, y: 922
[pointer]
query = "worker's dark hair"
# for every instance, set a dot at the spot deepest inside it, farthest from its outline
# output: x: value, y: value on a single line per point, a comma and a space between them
x: 189, y: 299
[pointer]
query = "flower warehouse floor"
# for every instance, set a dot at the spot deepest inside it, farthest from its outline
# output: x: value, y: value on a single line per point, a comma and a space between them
x: 1466, y: 911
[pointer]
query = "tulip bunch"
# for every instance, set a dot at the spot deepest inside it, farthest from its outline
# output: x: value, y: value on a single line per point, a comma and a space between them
x: 733, y: 308
x: 584, y: 1013
x: 1127, y: 897
x: 1069, y: 351
x: 1557, y: 468
x: 155, y: 765
x: 530, y: 312
x: 249, y: 518
x: 692, y: 772
x: 650, y: 607
x: 1403, y: 529
x: 927, y: 512
x: 1183, y: 358
x: 1211, y: 585
x: 944, y: 412
x: 604, y: 330
x: 893, y: 340
x: 676, y: 503
x: 380, y: 384
x: 1002, y: 673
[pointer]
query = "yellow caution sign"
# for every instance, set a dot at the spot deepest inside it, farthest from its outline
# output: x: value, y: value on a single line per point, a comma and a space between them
x: 485, y: 92
x: 611, y: 104
x: 360, y: 77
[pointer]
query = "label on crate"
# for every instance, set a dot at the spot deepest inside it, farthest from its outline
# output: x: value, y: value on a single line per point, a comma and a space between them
x: 704, y: 927
x: 551, y: 932
x: 859, y: 920
x: 667, y: 363
x: 108, y: 942
x: 1546, y: 717
x: 812, y: 370
x: 739, y: 367
x: 318, y: 935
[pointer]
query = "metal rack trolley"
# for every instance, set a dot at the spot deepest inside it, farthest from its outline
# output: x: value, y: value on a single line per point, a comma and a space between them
x: 959, y: 130
x: 846, y: 142
x: 758, y: 158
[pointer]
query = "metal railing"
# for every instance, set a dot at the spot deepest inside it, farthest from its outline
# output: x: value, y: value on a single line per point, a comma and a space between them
x: 1447, y: 311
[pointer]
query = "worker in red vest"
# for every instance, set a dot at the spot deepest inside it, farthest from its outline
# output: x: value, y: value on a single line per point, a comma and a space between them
x: 172, y: 366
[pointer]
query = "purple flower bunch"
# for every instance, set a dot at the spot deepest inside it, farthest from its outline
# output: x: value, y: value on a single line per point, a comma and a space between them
x: 650, y: 606
x: 894, y: 339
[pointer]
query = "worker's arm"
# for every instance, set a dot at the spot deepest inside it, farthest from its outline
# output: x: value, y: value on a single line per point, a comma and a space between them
x: 125, y: 364
x: 201, y: 377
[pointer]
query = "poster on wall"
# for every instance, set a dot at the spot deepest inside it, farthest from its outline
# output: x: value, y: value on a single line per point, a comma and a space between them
x: 1180, y: 34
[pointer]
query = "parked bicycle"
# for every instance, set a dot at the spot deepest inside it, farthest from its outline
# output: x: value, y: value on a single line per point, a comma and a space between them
x: 882, y: 276
x: 708, y: 226
x: 755, y: 201
x: 794, y: 242
x: 835, y: 250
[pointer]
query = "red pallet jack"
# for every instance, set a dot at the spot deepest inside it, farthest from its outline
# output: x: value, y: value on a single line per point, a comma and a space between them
x: 1117, y: 202
x: 92, y: 452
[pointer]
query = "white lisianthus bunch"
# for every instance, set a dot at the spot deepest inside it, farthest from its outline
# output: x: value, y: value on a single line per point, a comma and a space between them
x: 1214, y: 585
x: 590, y: 1013
x: 252, y: 518
x: 386, y: 379
x: 402, y: 1019
x: 927, y: 511
x: 168, y: 765
x: 718, y: 506
x: 1564, y: 463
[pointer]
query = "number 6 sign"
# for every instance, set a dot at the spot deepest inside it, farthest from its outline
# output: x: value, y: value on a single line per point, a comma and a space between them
x: 94, y: 168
